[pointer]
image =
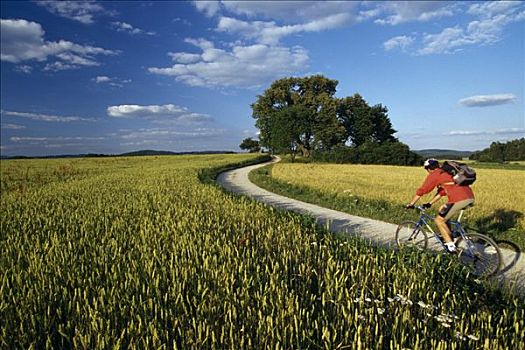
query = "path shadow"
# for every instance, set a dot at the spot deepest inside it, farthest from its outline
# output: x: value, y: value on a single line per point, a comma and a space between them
x: 511, y: 254
x: 498, y: 222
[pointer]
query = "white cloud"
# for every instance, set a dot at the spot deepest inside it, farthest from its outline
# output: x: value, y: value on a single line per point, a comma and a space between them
x: 80, y: 11
x: 137, y: 111
x: 12, y: 126
x: 194, y: 118
x: 184, y: 57
x: 144, y: 133
x: 55, y: 139
x: 397, y: 12
x: 182, y: 20
x: 270, y: 33
x: 45, y: 117
x: 403, y: 42
x: 128, y: 28
x: 258, y: 63
x: 454, y: 39
x: 492, y: 8
x: 102, y: 79
x: 487, y: 29
x: 209, y: 8
x: 163, y: 114
x: 23, y: 41
x: 290, y: 11
x: 487, y: 132
x: 487, y: 100
x: 24, y: 68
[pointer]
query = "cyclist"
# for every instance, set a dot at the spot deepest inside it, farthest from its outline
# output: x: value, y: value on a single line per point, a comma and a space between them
x: 459, y: 197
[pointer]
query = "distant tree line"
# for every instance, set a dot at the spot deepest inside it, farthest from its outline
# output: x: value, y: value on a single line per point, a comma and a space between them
x: 502, y: 152
x: 302, y: 116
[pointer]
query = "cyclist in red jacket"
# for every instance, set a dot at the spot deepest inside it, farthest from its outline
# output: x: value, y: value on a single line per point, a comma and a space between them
x: 459, y: 197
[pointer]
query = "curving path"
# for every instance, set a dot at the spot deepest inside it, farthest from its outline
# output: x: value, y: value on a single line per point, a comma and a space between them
x: 377, y: 232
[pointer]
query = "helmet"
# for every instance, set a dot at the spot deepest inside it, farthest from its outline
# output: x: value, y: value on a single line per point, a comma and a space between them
x: 431, y: 164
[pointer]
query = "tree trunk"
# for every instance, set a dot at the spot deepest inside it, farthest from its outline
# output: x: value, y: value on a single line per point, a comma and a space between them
x: 305, y: 151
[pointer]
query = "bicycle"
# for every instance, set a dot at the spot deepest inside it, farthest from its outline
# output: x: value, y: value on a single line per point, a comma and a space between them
x: 474, y: 250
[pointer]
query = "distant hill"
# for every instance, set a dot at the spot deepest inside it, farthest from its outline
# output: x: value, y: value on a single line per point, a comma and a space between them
x: 128, y: 154
x: 444, y: 153
x: 147, y: 152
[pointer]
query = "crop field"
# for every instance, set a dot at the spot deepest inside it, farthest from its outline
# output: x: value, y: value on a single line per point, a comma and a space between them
x: 146, y: 253
x: 383, y: 190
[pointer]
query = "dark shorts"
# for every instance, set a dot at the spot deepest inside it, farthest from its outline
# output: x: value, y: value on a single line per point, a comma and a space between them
x: 449, y: 209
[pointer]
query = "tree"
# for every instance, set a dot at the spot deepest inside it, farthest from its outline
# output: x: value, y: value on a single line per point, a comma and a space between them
x: 364, y: 123
x: 292, y: 130
x: 501, y: 152
x: 302, y: 115
x: 314, y: 94
x: 250, y: 145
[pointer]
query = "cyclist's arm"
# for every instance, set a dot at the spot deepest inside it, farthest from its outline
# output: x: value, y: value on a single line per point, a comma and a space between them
x: 426, y: 187
x: 414, y: 200
x: 439, y: 194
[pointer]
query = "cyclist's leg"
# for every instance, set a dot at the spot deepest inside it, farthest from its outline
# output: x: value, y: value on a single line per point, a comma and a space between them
x: 447, y: 212
x: 456, y: 208
x: 441, y: 222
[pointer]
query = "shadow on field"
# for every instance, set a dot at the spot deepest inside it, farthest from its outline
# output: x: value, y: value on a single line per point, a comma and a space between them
x: 511, y: 254
x: 500, y: 221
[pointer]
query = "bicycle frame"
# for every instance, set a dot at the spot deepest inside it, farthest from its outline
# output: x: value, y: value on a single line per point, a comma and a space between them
x: 475, y: 250
x: 455, y: 229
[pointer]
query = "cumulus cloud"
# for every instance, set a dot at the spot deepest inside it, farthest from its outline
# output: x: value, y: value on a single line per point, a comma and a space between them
x: 209, y: 8
x: 45, y: 117
x: 24, y: 41
x: 134, y: 111
x: 159, y: 113
x: 487, y: 100
x: 402, y: 42
x: 259, y: 64
x: 80, y: 11
x: 128, y: 28
x: 184, y: 57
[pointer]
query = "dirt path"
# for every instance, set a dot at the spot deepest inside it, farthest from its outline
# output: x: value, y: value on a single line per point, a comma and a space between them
x: 375, y: 231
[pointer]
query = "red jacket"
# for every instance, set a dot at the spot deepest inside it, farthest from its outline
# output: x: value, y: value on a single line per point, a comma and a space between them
x: 441, y: 178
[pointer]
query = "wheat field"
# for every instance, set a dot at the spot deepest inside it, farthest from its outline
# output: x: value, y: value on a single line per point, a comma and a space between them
x: 495, y: 189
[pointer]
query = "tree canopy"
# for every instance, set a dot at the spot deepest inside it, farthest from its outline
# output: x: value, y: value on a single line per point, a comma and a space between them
x: 502, y: 152
x: 303, y: 115
x: 250, y: 145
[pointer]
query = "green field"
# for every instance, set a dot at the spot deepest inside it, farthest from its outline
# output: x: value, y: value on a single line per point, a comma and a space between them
x: 146, y: 252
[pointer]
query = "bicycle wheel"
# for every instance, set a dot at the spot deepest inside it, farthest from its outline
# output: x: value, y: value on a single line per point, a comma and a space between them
x: 408, y: 234
x: 480, y: 254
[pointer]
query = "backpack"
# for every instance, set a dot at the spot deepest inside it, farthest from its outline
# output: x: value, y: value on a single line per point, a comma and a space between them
x: 462, y: 174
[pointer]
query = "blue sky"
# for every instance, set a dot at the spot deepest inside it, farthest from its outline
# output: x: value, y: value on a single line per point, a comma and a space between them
x: 112, y: 77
